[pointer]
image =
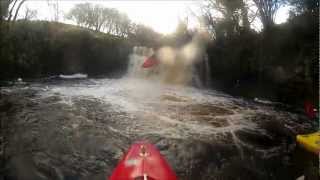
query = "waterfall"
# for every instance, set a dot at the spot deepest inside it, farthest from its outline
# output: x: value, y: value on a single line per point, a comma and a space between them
x: 207, y: 78
x: 201, y: 73
x: 136, y: 59
x: 188, y: 65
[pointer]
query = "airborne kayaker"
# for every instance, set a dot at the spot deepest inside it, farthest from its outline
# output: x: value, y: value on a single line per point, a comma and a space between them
x: 150, y: 61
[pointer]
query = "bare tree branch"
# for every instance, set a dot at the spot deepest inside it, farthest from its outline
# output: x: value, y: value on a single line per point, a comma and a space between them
x: 267, y: 11
x: 17, y: 10
x: 11, y: 9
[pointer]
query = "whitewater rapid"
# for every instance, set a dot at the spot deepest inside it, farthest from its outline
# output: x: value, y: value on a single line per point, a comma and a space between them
x: 79, y: 128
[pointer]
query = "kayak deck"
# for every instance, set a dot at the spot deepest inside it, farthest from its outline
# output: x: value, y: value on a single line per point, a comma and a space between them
x: 143, y: 161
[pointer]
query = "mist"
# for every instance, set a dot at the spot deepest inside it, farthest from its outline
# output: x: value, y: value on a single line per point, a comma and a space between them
x: 177, y: 65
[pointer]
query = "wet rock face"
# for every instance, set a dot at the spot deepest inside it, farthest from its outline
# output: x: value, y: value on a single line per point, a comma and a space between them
x: 81, y: 133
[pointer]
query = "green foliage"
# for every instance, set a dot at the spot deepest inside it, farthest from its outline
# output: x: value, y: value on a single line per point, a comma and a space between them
x: 279, y: 64
x: 226, y: 17
x: 37, y: 48
x: 4, y: 6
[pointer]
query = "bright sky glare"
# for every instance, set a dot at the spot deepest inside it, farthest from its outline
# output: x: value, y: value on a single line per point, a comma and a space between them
x: 161, y: 15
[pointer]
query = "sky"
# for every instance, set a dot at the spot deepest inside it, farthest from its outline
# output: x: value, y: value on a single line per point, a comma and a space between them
x: 161, y: 15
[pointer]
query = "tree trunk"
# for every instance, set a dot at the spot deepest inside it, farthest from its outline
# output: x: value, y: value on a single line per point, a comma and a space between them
x: 244, y: 16
x: 17, y: 11
x: 11, y: 10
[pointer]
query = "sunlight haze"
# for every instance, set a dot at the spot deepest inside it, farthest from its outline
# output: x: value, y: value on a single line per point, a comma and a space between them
x: 162, y: 16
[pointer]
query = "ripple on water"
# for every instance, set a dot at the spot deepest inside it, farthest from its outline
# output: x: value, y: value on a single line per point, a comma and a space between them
x: 202, y: 133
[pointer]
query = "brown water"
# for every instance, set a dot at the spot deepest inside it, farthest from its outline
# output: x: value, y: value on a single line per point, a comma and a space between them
x: 79, y: 129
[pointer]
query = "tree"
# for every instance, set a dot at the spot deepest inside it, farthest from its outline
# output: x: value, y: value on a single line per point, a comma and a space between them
x: 221, y: 16
x: 267, y: 11
x: 55, y: 7
x: 144, y: 35
x: 93, y: 17
x: 226, y: 17
x: 12, y: 4
x: 4, y: 6
x: 100, y: 18
x: 11, y: 8
x: 123, y: 25
x: 96, y: 19
x: 80, y: 13
x: 17, y: 10
x: 112, y: 15
x: 244, y: 15
x: 301, y: 6
x: 30, y: 14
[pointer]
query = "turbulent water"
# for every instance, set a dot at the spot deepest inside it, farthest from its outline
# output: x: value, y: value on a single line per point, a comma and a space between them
x: 78, y: 129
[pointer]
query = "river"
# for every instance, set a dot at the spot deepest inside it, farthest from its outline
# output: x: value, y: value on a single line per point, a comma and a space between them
x: 79, y: 129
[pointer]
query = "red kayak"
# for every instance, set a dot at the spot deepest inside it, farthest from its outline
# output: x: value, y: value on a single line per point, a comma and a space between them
x: 143, y: 162
x: 150, y: 62
x: 310, y: 110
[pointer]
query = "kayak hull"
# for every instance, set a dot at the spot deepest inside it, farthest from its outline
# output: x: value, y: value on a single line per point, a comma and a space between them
x: 143, y: 160
x: 150, y: 62
x: 310, y: 142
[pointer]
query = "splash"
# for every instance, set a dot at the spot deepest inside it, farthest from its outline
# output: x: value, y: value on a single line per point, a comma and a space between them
x: 187, y: 65
x: 150, y: 108
x: 136, y: 59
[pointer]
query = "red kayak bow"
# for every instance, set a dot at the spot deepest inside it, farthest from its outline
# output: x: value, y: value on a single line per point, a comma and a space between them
x: 143, y: 162
x: 310, y: 110
x: 150, y: 62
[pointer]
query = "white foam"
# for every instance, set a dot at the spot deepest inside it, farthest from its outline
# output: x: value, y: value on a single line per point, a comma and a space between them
x: 73, y: 76
x: 149, y: 114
